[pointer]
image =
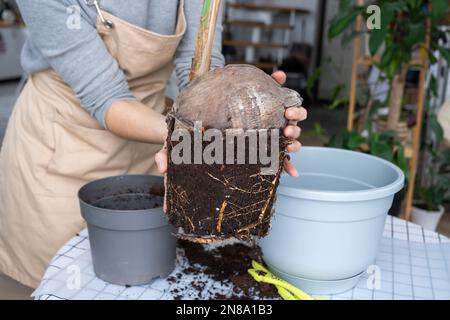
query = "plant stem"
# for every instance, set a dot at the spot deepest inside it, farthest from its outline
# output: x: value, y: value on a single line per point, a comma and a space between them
x: 395, y: 101
x: 205, y: 38
x: 363, y: 119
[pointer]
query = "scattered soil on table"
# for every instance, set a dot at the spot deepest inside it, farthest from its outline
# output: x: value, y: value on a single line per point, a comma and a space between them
x: 226, y: 264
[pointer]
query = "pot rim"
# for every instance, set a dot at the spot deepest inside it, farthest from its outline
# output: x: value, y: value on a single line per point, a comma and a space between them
x: 121, y: 220
x: 347, y: 196
x: 420, y: 210
x: 114, y: 211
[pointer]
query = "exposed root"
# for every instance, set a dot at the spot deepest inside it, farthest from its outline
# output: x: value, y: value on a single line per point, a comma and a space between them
x: 202, y: 240
x: 211, y: 203
x: 269, y: 199
x: 221, y: 212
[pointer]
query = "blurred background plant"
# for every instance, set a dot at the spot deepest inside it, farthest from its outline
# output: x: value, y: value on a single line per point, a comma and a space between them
x: 432, y: 187
x: 398, y: 44
x: 384, y: 118
x: 385, y: 145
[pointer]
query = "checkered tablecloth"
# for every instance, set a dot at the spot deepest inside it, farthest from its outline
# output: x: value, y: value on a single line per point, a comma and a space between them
x: 412, y: 263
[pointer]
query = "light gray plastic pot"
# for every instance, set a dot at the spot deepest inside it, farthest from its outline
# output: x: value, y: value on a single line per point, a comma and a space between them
x: 129, y: 245
x: 329, y: 221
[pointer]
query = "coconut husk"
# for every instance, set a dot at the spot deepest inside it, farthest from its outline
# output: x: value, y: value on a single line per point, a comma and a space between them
x: 213, y: 202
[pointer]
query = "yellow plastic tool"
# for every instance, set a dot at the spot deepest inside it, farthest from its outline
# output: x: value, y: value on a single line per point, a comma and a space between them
x: 286, y: 290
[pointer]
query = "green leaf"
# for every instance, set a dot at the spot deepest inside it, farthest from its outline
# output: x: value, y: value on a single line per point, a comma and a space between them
x: 387, y: 13
x: 392, y: 68
x: 413, y: 3
x: 337, y: 91
x: 416, y: 34
x: 348, y: 37
x: 337, y: 103
x: 445, y: 157
x: 376, y: 38
x: 345, y: 5
x: 382, y: 150
x: 312, y: 80
x: 340, y: 23
x: 346, y: 140
x: 387, y: 56
x: 338, y: 140
x: 439, y: 9
x: 432, y: 57
x: 436, y: 128
x: 433, y: 86
x: 319, y: 130
x: 355, y: 141
x: 445, y: 53
x: 400, y: 161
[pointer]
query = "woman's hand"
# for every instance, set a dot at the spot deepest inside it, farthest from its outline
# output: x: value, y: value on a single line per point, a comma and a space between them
x: 161, y: 159
x: 292, y: 131
x: 129, y: 120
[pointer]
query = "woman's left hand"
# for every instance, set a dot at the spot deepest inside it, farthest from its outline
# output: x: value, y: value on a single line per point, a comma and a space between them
x: 292, y: 130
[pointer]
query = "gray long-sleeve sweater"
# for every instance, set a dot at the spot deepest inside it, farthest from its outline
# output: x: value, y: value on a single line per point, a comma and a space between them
x: 80, y: 57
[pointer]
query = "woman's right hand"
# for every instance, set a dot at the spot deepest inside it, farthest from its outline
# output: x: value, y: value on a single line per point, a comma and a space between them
x: 130, y: 120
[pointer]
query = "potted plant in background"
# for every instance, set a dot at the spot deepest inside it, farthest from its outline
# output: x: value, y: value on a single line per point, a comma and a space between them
x: 431, y: 195
x: 395, y: 48
x: 398, y: 44
x: 433, y: 185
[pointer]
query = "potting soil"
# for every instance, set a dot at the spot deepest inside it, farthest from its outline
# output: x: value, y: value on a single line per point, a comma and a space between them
x: 130, y: 202
x: 219, y: 201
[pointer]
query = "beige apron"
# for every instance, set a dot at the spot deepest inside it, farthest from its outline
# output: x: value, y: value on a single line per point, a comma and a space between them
x: 53, y: 146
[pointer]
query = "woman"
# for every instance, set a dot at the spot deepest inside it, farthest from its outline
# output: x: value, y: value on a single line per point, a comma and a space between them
x: 92, y: 107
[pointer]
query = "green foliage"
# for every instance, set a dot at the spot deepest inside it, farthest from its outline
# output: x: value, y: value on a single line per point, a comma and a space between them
x: 439, y: 9
x: 319, y: 130
x: 402, y: 33
x: 385, y: 145
x: 445, y: 53
x: 433, y: 186
x: 436, y: 191
x: 336, y: 99
x: 312, y: 80
x: 342, y: 22
x: 435, y: 128
x: 402, y: 29
x: 350, y: 140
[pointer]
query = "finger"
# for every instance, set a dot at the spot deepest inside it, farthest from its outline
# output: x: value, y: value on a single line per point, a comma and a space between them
x: 279, y: 77
x: 296, y: 114
x: 292, y: 132
x: 161, y: 161
x: 290, y: 168
x: 294, y: 146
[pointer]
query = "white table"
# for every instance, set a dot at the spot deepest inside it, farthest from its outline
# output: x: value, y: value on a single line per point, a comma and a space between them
x: 414, y: 264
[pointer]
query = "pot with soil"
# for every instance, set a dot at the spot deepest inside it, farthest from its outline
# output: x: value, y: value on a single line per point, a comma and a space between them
x: 330, y: 220
x: 221, y: 182
x: 131, y: 240
x: 426, y: 218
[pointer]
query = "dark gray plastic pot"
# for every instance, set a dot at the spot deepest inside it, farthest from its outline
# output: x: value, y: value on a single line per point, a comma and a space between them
x: 129, y: 245
x: 329, y: 221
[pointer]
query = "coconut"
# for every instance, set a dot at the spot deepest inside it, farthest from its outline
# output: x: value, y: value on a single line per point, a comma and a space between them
x: 226, y: 199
